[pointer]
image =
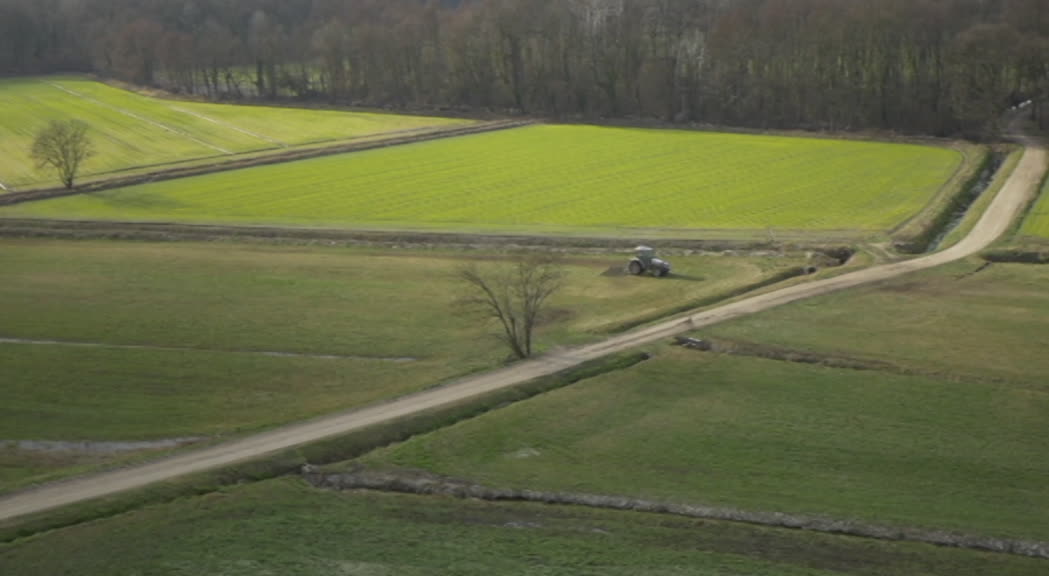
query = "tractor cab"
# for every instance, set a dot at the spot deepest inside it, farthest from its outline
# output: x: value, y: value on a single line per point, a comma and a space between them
x: 645, y: 260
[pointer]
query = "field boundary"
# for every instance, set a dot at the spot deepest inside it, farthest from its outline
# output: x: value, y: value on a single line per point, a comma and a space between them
x: 274, y: 353
x: 171, y: 231
x: 914, y: 234
x: 263, y: 160
x: 1016, y: 247
x: 421, y: 482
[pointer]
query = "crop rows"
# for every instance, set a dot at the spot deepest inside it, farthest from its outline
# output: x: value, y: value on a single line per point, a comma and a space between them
x: 558, y: 177
x: 130, y: 130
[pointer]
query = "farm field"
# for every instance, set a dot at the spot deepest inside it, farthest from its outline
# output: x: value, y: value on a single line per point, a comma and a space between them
x: 203, y: 340
x: 130, y: 130
x: 284, y: 526
x: 967, y: 320
x: 917, y: 445
x: 564, y: 179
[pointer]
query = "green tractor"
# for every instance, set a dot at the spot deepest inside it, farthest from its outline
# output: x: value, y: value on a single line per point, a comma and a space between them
x: 645, y: 262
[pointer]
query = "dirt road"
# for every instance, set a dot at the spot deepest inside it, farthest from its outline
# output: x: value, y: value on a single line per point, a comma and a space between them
x: 998, y: 217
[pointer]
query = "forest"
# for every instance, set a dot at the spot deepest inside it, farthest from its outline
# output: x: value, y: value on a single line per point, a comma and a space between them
x: 939, y: 67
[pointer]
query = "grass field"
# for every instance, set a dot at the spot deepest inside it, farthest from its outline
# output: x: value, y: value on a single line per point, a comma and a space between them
x: 285, y: 527
x: 130, y: 130
x: 1037, y: 221
x: 959, y: 450
x: 200, y: 320
x: 965, y: 320
x: 557, y: 178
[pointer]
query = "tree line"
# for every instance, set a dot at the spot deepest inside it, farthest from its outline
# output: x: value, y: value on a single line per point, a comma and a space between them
x: 942, y: 67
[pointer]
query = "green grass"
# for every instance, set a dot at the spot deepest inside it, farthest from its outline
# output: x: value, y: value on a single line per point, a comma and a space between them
x: 1037, y: 221
x: 952, y: 321
x: 766, y: 435
x: 286, y: 527
x: 957, y: 444
x: 131, y: 130
x: 557, y: 178
x: 209, y: 309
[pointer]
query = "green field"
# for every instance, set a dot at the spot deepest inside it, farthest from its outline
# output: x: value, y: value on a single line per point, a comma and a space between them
x: 202, y: 319
x: 557, y: 178
x: 966, y: 320
x: 1037, y: 221
x: 285, y: 527
x: 952, y: 439
x: 130, y: 130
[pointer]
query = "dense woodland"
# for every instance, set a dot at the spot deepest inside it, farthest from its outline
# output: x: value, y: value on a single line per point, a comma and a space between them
x: 921, y: 66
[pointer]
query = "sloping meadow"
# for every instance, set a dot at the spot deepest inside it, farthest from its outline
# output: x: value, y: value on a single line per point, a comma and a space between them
x: 130, y: 130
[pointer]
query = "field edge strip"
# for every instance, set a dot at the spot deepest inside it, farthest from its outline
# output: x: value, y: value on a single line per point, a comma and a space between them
x: 424, y: 483
x: 837, y: 248
x: 158, y: 348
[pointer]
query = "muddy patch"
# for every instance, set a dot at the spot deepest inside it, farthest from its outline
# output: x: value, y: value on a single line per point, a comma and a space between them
x: 97, y: 448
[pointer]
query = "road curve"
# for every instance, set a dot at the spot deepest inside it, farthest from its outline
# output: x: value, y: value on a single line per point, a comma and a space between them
x: 1003, y: 210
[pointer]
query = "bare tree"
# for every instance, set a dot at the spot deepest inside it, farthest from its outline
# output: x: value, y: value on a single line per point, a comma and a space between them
x: 514, y: 296
x: 63, y: 145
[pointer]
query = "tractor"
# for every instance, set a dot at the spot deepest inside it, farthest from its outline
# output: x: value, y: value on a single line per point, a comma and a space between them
x: 645, y: 261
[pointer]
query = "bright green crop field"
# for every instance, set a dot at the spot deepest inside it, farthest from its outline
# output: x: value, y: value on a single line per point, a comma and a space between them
x: 130, y: 130
x: 558, y: 178
x: 285, y: 527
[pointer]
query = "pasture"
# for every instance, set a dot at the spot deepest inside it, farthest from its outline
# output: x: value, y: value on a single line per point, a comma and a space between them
x: 284, y: 526
x: 967, y: 320
x: 950, y: 437
x: 111, y: 341
x: 132, y: 131
x: 556, y: 178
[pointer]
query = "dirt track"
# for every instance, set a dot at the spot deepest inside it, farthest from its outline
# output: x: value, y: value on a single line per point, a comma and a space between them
x: 998, y: 217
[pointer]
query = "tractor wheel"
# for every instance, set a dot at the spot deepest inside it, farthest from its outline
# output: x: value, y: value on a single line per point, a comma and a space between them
x: 662, y: 272
x: 635, y: 268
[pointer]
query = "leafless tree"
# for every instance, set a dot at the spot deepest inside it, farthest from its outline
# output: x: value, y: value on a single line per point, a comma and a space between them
x: 514, y: 296
x: 63, y: 145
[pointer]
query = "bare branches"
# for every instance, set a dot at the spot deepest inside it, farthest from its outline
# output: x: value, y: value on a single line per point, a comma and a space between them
x: 63, y: 145
x: 513, y: 297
